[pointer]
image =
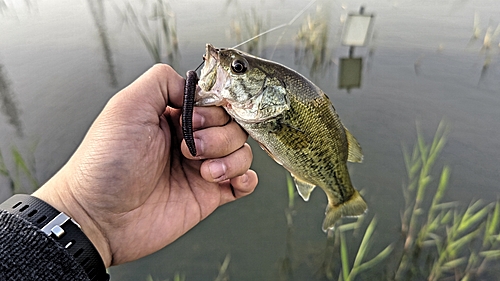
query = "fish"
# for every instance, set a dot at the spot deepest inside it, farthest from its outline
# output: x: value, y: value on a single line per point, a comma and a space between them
x: 292, y: 119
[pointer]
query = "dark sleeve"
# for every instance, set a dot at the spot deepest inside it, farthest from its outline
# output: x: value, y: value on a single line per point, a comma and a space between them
x: 26, y: 253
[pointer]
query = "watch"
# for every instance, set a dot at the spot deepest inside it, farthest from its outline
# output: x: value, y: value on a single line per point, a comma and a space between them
x: 63, y: 229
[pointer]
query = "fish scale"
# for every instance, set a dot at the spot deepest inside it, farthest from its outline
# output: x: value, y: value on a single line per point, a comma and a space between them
x: 293, y: 121
x: 309, y: 151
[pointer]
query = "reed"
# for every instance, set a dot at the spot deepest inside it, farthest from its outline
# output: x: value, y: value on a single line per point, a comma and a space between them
x: 443, y: 240
x: 155, y: 24
x: 9, y: 105
x: 223, y: 273
x: 311, y: 42
x: 177, y: 277
x: 361, y: 263
x: 440, y: 240
x: 250, y: 25
x: 22, y: 175
x: 286, y: 263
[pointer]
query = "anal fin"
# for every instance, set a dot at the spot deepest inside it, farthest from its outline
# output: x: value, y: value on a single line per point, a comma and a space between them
x: 304, y: 188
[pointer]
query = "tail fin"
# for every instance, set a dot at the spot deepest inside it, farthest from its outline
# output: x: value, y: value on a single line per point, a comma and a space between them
x: 354, y: 207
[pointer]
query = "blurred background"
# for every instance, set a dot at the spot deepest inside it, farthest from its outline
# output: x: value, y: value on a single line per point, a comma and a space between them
x: 429, y: 69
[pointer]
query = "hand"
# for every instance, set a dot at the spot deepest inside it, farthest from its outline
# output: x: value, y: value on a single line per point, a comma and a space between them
x: 129, y: 185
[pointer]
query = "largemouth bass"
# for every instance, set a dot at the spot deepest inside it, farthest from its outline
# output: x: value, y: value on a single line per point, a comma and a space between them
x: 292, y: 120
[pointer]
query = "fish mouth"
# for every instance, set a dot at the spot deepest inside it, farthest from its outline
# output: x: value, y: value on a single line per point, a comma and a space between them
x: 213, y: 80
x: 209, y: 71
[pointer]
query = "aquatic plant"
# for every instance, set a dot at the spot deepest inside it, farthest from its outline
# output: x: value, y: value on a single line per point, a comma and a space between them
x: 489, y: 43
x: 311, y: 42
x: 250, y: 25
x: 360, y: 264
x: 8, y: 103
x: 23, y: 177
x: 155, y: 24
x: 98, y: 13
x: 336, y: 246
x: 13, y: 7
x: 440, y: 240
x: 223, y: 275
x: 285, y: 263
x: 177, y: 277
x: 443, y: 240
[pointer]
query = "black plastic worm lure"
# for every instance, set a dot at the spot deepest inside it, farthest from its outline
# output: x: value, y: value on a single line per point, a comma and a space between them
x: 187, y: 110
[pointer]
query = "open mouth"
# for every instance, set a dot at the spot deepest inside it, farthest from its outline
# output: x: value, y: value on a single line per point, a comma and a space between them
x: 209, y: 71
x: 213, y: 80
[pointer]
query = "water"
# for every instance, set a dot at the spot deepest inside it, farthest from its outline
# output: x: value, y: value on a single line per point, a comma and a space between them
x: 61, y: 62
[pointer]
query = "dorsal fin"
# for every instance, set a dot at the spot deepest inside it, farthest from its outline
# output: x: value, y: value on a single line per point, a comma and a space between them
x: 355, y: 153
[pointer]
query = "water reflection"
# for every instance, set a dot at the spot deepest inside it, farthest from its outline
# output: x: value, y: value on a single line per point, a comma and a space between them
x: 6, y: 6
x: 311, y: 42
x: 3, y: 6
x: 249, y: 25
x: 488, y: 49
x: 155, y: 24
x: 357, y: 32
x: 9, y: 105
x: 350, y: 70
x: 489, y: 43
x: 99, y: 17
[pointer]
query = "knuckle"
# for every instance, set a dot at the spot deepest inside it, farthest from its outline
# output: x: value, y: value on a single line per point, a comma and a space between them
x: 161, y: 68
x: 226, y: 140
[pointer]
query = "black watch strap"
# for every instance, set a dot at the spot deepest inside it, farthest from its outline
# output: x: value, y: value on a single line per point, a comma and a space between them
x: 62, y: 229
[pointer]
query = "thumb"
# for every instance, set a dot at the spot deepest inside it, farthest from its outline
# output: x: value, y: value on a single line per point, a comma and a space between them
x: 158, y: 87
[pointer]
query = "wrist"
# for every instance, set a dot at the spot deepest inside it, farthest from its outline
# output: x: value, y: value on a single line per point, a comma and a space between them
x: 61, y: 229
x: 65, y: 202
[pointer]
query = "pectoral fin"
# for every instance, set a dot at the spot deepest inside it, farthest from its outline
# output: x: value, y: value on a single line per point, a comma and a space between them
x: 304, y: 188
x: 355, y: 153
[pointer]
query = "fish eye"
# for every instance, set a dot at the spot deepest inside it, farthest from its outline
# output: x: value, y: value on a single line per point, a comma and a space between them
x: 239, y: 65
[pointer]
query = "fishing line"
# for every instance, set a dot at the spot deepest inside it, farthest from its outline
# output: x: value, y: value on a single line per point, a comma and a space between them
x: 196, y: 69
x: 278, y: 27
x: 271, y: 30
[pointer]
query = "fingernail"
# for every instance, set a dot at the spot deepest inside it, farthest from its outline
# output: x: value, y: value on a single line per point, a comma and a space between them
x: 198, y: 120
x: 217, y: 170
x: 199, y: 146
